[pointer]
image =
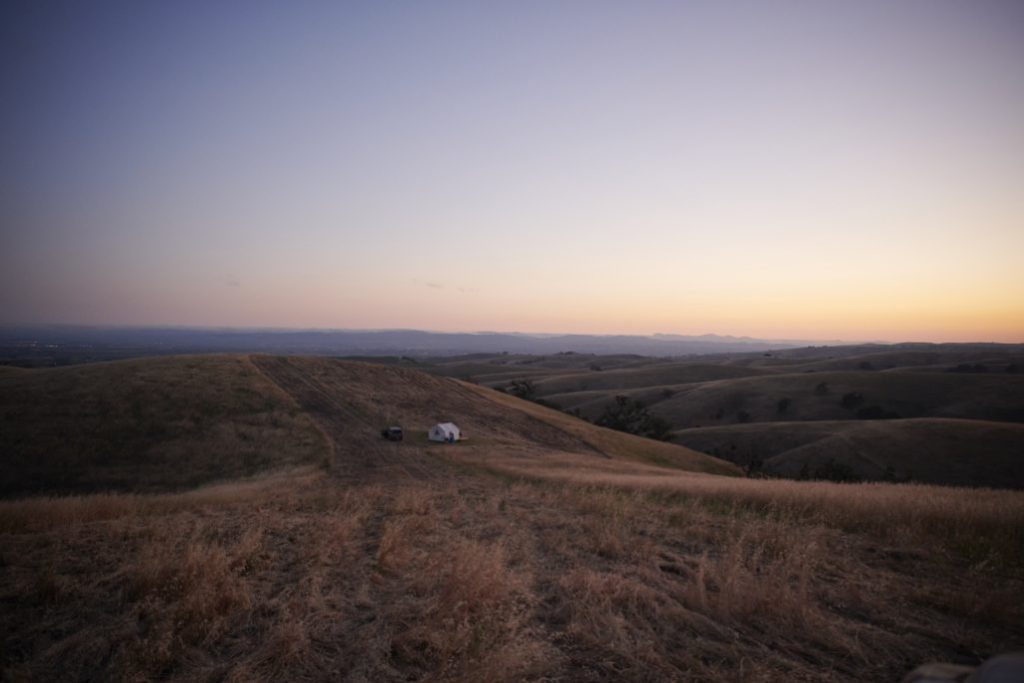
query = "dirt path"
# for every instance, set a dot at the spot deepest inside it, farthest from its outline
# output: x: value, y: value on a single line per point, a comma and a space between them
x: 359, y: 452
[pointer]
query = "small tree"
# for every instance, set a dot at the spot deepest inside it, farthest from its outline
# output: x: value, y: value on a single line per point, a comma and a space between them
x: 876, y: 413
x: 524, y: 389
x: 628, y: 415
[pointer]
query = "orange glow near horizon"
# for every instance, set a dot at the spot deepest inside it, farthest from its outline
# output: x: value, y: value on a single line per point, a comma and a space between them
x: 818, y: 171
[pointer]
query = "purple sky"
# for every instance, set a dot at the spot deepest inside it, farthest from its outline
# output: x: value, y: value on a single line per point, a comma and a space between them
x: 790, y: 169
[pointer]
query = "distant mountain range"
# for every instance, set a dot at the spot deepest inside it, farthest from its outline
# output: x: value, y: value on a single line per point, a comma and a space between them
x: 162, y: 340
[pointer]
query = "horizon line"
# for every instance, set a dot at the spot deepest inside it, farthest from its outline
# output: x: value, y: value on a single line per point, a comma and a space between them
x: 651, y: 335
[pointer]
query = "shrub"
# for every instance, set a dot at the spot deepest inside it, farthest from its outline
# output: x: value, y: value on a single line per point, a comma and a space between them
x: 852, y: 400
x: 876, y: 413
x: 836, y: 471
x: 633, y: 417
x: 524, y: 389
x: 968, y: 367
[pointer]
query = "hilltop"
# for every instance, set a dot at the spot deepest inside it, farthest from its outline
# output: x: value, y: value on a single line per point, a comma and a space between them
x: 169, y: 423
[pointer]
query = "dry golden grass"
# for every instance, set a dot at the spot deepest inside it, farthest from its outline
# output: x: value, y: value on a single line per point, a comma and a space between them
x: 613, y: 443
x: 534, y: 576
x: 45, y: 513
x: 980, y: 524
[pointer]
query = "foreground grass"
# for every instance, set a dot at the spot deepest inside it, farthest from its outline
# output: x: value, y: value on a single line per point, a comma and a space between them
x: 979, y: 525
x: 532, y: 575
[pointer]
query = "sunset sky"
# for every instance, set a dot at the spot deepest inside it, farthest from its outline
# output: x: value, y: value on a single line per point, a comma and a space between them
x: 812, y: 170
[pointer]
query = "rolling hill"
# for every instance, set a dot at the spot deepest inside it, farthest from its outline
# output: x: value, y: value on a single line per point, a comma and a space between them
x: 176, y: 422
x: 946, y: 451
x: 997, y: 397
x: 240, y: 518
x: 940, y: 413
x: 151, y: 424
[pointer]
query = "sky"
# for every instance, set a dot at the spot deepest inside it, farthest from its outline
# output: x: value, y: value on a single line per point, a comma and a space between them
x: 811, y: 170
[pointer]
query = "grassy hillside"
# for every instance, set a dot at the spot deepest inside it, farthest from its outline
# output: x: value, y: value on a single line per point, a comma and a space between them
x: 826, y: 401
x: 981, y: 396
x: 502, y: 369
x: 632, y: 378
x: 159, y: 423
x: 929, y: 450
x: 617, y: 444
x: 940, y: 359
x: 169, y: 423
x: 839, y: 387
x: 542, y: 548
x: 997, y: 397
x: 881, y: 357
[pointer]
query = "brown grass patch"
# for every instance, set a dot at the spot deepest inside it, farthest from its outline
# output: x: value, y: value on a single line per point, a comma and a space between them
x: 479, y: 578
x: 985, y: 527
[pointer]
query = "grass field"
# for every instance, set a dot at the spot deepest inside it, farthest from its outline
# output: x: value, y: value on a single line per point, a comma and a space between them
x: 562, y: 574
x: 543, y: 548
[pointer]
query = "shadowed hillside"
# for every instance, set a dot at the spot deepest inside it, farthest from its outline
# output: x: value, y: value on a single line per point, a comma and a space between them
x: 939, y: 413
x: 169, y: 423
x: 931, y: 450
x: 822, y: 396
x: 154, y: 424
x: 630, y: 378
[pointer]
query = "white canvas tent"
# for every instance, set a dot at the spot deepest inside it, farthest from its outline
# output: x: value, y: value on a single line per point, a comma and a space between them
x: 445, y: 431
